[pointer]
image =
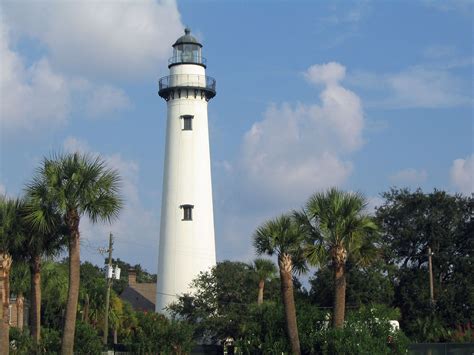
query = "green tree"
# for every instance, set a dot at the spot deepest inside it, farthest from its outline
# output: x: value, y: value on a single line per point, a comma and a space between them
x: 340, y: 229
x: 78, y: 185
x: 92, y: 293
x: 265, y: 270
x: 154, y: 333
x: 284, y: 237
x: 54, y: 284
x: 220, y: 301
x: 412, y: 221
x: 46, y: 239
x: 370, y: 284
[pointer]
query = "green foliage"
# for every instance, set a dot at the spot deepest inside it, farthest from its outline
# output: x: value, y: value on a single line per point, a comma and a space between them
x: 220, y: 302
x: 75, y: 182
x: 336, y: 220
x: 265, y: 269
x: 50, y: 342
x: 281, y: 236
x: 365, y: 285
x: 156, y: 334
x: 20, y: 342
x: 367, y: 331
x: 263, y: 330
x: 92, y: 290
x: 412, y: 221
x: 86, y: 340
x: 20, y: 278
x: 54, y: 284
x: 12, y: 231
x: 431, y: 329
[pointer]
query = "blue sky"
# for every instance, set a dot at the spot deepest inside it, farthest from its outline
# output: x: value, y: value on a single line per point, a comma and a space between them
x: 362, y: 95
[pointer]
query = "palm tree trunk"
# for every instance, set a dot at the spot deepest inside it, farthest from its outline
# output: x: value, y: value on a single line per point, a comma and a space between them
x: 35, y: 309
x: 67, y: 346
x: 261, y: 286
x: 286, y: 268
x: 5, y: 265
x: 85, y: 315
x: 4, y: 342
x: 19, y: 310
x: 339, y: 295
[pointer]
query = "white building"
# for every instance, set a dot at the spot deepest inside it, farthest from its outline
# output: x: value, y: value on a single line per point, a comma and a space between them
x: 187, y: 244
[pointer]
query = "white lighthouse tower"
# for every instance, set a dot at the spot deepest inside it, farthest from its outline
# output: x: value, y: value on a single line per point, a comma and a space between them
x: 187, y: 244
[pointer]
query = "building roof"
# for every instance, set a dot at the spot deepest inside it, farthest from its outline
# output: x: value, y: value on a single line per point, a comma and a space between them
x: 187, y: 38
x: 142, y: 296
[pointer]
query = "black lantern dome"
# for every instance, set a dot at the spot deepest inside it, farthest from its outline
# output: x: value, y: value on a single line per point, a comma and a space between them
x: 187, y: 50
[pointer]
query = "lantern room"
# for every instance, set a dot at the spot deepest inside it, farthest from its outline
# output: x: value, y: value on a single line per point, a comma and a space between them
x: 187, y: 50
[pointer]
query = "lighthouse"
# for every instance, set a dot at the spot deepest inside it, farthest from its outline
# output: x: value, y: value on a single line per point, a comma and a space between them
x: 187, y: 244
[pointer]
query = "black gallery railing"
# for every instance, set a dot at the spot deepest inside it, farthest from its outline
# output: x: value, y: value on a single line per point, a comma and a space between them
x: 187, y: 59
x: 187, y: 81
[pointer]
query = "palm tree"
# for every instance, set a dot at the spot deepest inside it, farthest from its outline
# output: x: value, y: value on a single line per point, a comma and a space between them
x: 41, y: 240
x: 77, y: 185
x: 10, y: 235
x: 265, y: 270
x: 283, y: 237
x: 340, y: 229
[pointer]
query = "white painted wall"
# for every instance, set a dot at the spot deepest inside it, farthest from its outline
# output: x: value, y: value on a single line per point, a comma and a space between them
x: 186, y: 247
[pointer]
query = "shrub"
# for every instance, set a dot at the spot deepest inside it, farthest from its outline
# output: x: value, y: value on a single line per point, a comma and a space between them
x: 50, y: 342
x: 155, y: 333
x: 86, y: 340
x: 366, y: 330
x: 20, y: 341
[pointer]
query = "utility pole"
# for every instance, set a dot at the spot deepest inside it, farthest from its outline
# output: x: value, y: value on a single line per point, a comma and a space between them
x: 430, y: 267
x: 109, y: 283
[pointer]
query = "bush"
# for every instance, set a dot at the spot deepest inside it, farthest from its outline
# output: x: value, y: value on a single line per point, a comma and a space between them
x: 366, y: 330
x: 264, y: 330
x: 20, y: 341
x: 86, y: 339
x: 155, y: 333
x: 50, y: 342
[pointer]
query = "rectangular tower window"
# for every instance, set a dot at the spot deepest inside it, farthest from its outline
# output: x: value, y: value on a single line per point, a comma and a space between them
x: 187, y: 122
x: 187, y: 212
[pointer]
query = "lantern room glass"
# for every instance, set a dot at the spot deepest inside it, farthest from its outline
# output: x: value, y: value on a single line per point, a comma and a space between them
x: 187, y: 53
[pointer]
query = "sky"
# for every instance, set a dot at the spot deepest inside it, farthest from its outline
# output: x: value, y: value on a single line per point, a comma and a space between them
x: 364, y: 95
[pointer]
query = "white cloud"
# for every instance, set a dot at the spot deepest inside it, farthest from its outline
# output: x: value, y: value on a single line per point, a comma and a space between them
x: 409, y: 176
x: 462, y: 174
x: 105, y: 100
x: 3, y: 190
x: 420, y: 87
x: 85, y: 46
x: 297, y: 149
x: 30, y: 97
x: 329, y: 74
x: 113, y: 40
x: 427, y: 86
x: 464, y: 7
x: 36, y: 97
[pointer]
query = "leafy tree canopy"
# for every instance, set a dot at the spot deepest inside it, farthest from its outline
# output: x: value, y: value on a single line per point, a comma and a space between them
x: 413, y: 221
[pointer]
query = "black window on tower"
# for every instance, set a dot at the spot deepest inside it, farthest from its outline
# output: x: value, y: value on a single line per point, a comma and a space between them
x: 187, y: 212
x: 187, y: 122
